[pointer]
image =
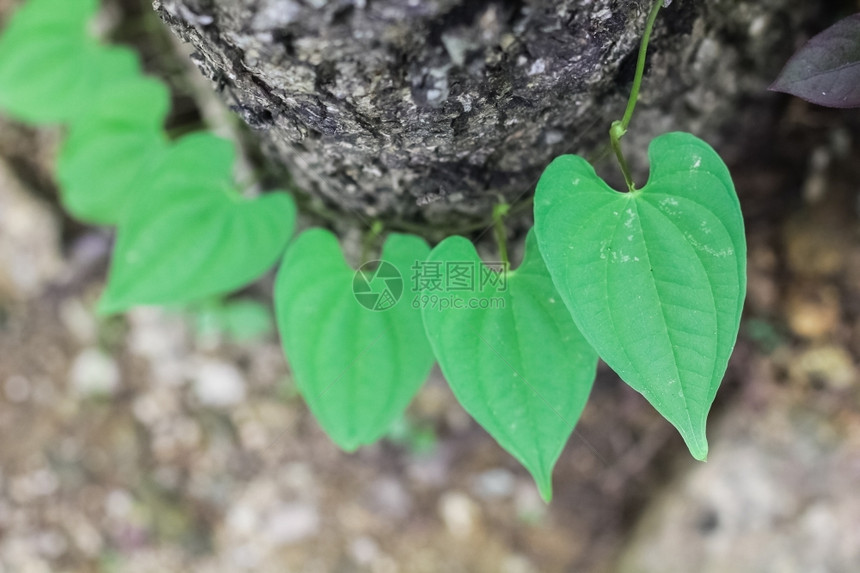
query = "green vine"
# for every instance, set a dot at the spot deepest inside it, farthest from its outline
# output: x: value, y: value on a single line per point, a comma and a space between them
x: 519, y: 350
x: 619, y: 128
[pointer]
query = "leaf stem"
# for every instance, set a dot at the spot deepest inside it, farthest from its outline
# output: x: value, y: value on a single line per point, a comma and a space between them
x: 640, y: 65
x: 616, y: 132
x: 619, y: 128
x: 372, y: 234
x: 499, y: 212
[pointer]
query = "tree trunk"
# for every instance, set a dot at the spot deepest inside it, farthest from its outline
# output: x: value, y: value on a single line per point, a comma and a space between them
x: 431, y: 110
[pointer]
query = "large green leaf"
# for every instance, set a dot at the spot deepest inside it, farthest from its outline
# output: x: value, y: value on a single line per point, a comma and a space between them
x: 55, y: 15
x: 44, y: 81
x: 512, y: 356
x: 108, y: 165
x: 128, y: 99
x: 189, y: 235
x: 357, y: 368
x: 50, y: 69
x: 197, y: 161
x: 99, y: 166
x: 655, y: 279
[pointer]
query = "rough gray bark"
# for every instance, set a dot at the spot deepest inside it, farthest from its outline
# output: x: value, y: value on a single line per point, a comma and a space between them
x: 430, y: 110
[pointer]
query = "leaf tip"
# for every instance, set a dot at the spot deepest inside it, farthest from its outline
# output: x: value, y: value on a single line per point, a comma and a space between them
x: 545, y: 493
x: 543, y: 480
x: 348, y: 444
x: 699, y: 448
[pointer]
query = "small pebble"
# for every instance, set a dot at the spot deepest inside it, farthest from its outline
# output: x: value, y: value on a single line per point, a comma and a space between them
x: 459, y: 513
x: 832, y: 365
x: 813, y: 312
x: 94, y: 373
x: 218, y: 384
x: 495, y: 483
x: 364, y: 550
x: 291, y: 523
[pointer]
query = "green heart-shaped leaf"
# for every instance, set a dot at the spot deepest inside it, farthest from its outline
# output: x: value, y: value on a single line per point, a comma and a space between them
x: 52, y: 72
x: 99, y: 166
x: 512, y: 356
x: 199, y: 161
x: 188, y: 234
x: 56, y: 15
x: 108, y: 168
x: 129, y: 100
x: 655, y: 279
x: 357, y: 368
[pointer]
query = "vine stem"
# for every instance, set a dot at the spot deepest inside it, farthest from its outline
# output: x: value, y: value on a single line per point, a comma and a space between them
x: 375, y: 230
x: 640, y: 65
x: 616, y: 132
x: 499, y: 212
x: 619, y: 128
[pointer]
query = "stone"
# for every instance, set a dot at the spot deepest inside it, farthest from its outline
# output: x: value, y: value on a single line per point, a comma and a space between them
x: 162, y: 339
x: 777, y: 495
x: 813, y: 311
x: 494, y: 484
x: 388, y: 498
x: 291, y: 523
x: 364, y: 550
x: 459, y: 513
x: 814, y: 239
x: 79, y: 320
x: 831, y: 365
x: 94, y: 373
x: 218, y: 384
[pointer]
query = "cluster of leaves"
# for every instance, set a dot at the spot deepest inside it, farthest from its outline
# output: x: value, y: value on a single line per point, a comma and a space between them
x: 826, y: 71
x: 652, y: 281
x: 183, y: 231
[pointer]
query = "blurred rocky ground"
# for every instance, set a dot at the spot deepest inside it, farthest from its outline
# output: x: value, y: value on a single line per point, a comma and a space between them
x: 149, y: 443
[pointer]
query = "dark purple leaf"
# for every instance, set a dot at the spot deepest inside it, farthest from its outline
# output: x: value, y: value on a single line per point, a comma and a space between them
x: 826, y: 71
